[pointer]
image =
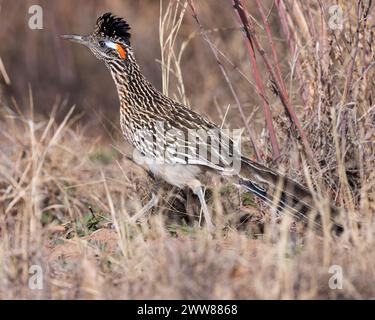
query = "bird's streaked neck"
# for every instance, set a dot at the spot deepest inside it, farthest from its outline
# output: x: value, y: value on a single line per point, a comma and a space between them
x: 130, y: 82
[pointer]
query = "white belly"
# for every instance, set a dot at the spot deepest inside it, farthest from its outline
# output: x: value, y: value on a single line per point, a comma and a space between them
x: 179, y: 175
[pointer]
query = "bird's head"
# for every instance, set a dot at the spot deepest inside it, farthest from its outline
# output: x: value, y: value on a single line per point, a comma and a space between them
x: 110, y: 39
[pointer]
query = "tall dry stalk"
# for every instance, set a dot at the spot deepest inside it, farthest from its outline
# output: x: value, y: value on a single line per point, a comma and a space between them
x: 169, y: 26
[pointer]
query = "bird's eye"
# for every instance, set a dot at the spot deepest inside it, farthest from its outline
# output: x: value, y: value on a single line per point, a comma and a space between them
x: 102, y: 44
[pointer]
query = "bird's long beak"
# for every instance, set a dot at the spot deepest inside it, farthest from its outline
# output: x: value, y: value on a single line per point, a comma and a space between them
x: 79, y: 39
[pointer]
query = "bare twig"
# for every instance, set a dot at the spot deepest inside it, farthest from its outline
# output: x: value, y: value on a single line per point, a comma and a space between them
x: 361, y: 15
x: 253, y: 40
x: 235, y: 96
x: 266, y: 107
x: 292, y: 44
x: 4, y: 73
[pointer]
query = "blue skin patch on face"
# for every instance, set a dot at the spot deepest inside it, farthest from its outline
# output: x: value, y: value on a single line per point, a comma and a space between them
x: 110, y: 44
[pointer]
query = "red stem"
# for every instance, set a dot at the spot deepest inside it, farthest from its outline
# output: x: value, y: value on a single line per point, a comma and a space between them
x: 262, y: 94
x: 253, y: 40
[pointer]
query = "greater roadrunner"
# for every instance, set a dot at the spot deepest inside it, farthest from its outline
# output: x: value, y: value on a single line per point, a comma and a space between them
x: 177, y: 143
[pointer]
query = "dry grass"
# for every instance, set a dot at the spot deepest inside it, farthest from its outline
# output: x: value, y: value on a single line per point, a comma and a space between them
x: 66, y: 196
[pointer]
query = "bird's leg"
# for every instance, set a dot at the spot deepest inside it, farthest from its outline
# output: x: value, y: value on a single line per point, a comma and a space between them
x: 207, y: 216
x: 144, y: 213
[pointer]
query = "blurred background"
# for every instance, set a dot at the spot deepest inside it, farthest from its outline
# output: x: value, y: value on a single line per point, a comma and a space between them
x: 57, y: 70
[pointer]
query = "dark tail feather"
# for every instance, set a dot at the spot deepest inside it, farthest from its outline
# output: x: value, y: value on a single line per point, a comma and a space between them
x: 285, y: 194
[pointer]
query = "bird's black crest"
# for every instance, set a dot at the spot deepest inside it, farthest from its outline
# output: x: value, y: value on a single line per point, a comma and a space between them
x: 113, y: 27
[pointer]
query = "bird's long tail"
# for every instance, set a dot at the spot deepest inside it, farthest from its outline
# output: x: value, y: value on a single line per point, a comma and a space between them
x: 283, y: 193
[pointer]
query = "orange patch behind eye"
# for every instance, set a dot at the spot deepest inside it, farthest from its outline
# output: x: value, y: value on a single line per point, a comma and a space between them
x: 121, y: 51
